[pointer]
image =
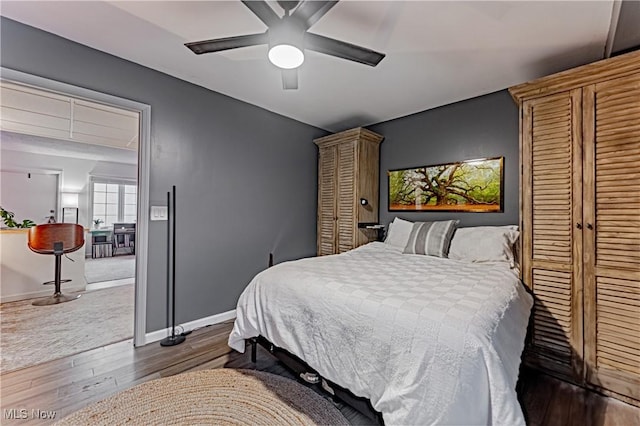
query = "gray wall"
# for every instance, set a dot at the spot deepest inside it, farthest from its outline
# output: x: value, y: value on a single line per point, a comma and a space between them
x: 246, y: 178
x: 486, y: 126
x: 627, y: 36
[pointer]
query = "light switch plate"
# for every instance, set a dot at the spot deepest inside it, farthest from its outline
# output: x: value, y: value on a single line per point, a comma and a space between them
x: 159, y: 212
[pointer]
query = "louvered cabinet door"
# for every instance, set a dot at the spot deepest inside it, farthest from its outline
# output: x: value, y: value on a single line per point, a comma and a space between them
x: 346, y: 196
x: 327, y: 176
x: 551, y: 216
x: 612, y: 235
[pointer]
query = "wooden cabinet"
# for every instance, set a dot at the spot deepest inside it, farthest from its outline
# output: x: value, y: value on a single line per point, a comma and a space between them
x: 348, y: 164
x: 551, y: 196
x: 580, y: 223
x: 612, y: 239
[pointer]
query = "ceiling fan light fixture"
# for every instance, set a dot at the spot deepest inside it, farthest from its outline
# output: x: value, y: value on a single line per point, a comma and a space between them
x: 286, y: 56
x: 288, y: 37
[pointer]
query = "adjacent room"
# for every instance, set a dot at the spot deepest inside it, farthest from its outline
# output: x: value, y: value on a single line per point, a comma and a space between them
x: 73, y: 161
x: 320, y: 212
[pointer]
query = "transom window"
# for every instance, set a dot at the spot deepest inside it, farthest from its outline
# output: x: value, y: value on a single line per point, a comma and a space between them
x: 114, y: 202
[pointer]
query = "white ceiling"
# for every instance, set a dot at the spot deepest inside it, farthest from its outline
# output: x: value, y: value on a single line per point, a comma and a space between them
x: 33, y: 111
x: 60, y: 148
x: 437, y: 52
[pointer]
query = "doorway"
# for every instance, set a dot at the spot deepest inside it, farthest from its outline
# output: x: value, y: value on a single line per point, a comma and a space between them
x: 135, y: 246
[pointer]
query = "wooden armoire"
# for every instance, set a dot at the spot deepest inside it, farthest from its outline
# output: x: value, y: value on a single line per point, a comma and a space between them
x: 580, y: 223
x: 348, y: 189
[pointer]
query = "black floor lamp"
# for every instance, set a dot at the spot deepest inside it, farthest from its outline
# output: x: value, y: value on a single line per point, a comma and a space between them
x: 173, y: 339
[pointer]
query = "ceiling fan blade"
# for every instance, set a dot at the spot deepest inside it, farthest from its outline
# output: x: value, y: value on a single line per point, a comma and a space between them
x: 219, y: 44
x: 290, y: 79
x: 309, y: 12
x: 342, y: 49
x: 263, y: 11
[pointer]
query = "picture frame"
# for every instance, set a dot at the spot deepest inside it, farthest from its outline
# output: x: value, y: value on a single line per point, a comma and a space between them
x: 464, y: 186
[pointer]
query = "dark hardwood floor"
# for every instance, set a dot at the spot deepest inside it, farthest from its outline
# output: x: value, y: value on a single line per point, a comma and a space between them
x: 69, y: 384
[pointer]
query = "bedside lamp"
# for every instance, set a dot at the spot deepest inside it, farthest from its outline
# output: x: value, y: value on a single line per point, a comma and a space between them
x: 69, y: 207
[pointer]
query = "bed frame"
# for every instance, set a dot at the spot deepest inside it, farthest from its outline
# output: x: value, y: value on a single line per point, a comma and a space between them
x: 302, y: 370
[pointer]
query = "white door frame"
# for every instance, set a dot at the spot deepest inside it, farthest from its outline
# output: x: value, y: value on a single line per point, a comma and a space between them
x: 144, y: 158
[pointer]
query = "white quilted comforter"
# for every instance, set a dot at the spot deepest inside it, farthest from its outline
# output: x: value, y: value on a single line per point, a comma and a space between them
x: 427, y: 340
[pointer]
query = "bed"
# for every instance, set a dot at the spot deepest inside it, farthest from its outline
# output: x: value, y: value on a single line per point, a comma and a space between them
x: 427, y: 340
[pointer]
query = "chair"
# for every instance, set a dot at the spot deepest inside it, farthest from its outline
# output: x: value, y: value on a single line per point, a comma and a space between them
x: 56, y: 239
x: 124, y: 236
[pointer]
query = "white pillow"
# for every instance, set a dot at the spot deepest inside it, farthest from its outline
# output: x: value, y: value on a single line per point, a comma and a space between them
x: 398, y: 233
x: 484, y: 244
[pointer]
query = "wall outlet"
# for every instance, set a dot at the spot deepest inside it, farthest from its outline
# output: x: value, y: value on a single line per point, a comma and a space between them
x: 159, y: 213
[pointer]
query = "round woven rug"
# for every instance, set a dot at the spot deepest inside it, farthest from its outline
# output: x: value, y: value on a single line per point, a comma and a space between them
x: 216, y: 397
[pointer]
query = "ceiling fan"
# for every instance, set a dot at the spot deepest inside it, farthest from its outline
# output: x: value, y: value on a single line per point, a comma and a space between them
x: 288, y: 37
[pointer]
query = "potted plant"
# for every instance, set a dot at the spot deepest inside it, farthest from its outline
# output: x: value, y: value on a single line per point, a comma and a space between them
x: 96, y: 223
x: 9, y: 221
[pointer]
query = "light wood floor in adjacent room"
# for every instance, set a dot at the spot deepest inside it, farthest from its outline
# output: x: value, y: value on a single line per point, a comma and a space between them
x: 71, y: 383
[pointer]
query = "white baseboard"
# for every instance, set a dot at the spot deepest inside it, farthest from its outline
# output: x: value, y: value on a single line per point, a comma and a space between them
x: 109, y: 284
x: 157, y: 335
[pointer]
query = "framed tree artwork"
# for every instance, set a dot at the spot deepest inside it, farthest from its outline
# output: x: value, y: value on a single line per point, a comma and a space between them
x: 465, y: 186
